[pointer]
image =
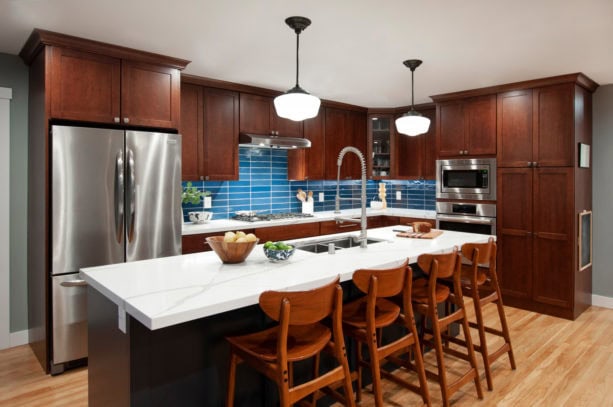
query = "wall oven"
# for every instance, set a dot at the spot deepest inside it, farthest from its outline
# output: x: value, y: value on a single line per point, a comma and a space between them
x: 473, y: 179
x: 466, y: 217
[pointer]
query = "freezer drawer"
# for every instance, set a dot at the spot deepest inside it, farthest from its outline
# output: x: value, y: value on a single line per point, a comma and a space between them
x: 69, y: 318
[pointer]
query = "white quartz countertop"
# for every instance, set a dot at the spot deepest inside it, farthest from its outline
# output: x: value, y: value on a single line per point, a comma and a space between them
x: 222, y: 225
x: 167, y: 291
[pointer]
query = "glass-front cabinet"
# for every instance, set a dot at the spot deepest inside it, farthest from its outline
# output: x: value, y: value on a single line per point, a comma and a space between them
x: 380, y: 128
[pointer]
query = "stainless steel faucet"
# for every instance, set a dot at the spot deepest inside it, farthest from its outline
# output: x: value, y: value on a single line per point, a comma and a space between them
x: 337, y: 209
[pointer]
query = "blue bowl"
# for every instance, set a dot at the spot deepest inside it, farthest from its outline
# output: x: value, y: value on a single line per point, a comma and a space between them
x: 279, y: 255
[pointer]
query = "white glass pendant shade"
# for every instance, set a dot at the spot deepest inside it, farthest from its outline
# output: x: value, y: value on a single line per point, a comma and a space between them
x: 412, y: 124
x: 297, y: 105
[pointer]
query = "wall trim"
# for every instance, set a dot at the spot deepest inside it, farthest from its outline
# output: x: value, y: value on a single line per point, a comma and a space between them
x: 19, y: 338
x: 5, y: 240
x: 602, y: 301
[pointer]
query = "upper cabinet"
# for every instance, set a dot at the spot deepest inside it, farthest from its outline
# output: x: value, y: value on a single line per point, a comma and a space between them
x: 209, y: 127
x: 309, y: 163
x: 415, y: 157
x: 379, y: 147
x: 89, y: 81
x: 258, y: 116
x: 344, y: 128
x: 467, y: 127
x: 95, y: 88
x: 535, y: 127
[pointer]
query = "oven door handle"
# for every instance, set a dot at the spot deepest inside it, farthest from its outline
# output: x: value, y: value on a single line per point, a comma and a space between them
x: 466, y: 219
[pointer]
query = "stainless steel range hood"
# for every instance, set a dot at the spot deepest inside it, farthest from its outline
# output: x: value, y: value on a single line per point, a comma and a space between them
x: 268, y: 141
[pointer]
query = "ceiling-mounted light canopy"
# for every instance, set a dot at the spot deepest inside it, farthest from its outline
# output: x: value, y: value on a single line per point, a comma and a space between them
x: 412, y: 123
x: 297, y: 104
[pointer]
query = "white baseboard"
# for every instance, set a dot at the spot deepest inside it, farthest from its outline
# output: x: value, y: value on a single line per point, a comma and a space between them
x: 19, y: 338
x: 602, y: 301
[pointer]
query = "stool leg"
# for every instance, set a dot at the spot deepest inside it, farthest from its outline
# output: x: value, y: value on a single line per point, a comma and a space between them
x: 440, y: 360
x: 419, y: 364
x: 358, y: 390
x: 482, y: 339
x: 374, y: 368
x: 471, y: 352
x: 231, y: 380
x: 505, y: 329
x: 347, y: 385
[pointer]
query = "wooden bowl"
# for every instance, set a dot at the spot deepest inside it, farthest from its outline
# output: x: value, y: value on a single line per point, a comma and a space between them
x: 231, y: 252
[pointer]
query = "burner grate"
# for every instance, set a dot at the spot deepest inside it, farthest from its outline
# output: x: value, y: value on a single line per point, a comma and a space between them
x: 271, y: 216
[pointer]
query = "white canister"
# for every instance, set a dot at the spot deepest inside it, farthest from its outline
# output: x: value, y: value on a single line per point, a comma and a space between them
x: 307, y: 207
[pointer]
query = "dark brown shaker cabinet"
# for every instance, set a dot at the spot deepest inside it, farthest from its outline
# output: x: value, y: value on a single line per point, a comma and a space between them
x: 91, y: 87
x: 258, y: 116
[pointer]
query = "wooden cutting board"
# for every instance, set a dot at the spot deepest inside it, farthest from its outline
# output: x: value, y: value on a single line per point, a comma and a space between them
x: 416, y: 235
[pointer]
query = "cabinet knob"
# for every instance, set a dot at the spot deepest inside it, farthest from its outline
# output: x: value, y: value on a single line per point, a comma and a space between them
x: 201, y: 178
x: 126, y: 120
x: 461, y: 152
x: 465, y: 152
x: 206, y: 178
x: 535, y: 164
x: 116, y: 119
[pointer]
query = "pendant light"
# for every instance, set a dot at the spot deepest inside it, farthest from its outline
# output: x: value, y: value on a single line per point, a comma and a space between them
x: 412, y: 123
x: 297, y: 104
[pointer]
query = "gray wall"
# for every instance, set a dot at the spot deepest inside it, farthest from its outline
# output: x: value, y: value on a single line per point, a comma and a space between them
x: 602, y: 282
x: 14, y: 75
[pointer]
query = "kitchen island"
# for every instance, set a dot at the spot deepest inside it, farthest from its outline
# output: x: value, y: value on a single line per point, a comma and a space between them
x: 157, y: 327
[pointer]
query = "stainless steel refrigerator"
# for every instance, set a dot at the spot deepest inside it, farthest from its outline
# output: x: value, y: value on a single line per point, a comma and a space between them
x: 116, y: 196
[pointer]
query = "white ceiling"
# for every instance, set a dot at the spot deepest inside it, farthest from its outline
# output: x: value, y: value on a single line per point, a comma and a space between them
x: 354, y: 49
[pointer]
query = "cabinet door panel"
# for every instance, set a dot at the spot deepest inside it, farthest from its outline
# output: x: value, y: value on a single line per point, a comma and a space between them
x: 335, y: 141
x: 450, y: 129
x: 480, y: 120
x: 515, y: 231
x: 284, y: 127
x: 408, y: 156
x: 255, y: 114
x: 287, y: 232
x: 553, y: 230
x: 191, y: 132
x: 150, y: 95
x: 84, y: 86
x: 514, y: 128
x: 309, y: 163
x: 553, y: 127
x: 221, y: 134
x: 428, y: 165
x: 356, y: 137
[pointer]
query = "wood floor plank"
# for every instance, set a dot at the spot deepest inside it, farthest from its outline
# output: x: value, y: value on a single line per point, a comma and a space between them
x: 559, y: 363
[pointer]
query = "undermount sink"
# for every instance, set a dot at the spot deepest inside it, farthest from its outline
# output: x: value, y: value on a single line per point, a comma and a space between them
x: 323, y: 245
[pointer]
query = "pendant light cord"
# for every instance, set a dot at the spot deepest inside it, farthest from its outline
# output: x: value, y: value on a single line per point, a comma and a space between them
x: 412, y: 90
x: 297, y: 62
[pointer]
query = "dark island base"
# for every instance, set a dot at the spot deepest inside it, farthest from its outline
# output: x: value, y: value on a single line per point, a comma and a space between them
x: 182, y: 365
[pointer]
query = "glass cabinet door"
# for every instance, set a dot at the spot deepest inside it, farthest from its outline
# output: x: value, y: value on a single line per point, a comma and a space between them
x: 379, y: 143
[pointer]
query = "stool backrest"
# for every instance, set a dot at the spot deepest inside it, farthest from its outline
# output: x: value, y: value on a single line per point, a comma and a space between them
x: 390, y: 282
x: 480, y: 253
x: 306, y: 307
x: 444, y: 264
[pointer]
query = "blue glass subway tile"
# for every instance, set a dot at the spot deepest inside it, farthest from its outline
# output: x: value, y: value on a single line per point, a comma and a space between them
x: 238, y: 196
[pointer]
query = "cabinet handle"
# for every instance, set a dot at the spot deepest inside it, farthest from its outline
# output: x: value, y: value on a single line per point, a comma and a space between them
x: 116, y: 119
x: 126, y: 120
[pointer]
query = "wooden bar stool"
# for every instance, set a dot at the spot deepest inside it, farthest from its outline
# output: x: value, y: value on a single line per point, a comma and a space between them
x: 426, y: 295
x: 480, y: 275
x: 365, y: 317
x: 299, y: 335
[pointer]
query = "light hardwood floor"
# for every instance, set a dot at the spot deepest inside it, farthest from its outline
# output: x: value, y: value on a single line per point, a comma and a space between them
x: 559, y: 363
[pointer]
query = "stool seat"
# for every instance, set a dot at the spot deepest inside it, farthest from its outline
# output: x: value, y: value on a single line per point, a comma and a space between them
x: 420, y: 292
x: 467, y: 271
x: 386, y: 312
x: 303, y: 342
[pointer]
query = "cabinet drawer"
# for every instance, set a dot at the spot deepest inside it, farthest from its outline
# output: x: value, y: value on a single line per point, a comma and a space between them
x: 330, y: 226
x: 287, y: 232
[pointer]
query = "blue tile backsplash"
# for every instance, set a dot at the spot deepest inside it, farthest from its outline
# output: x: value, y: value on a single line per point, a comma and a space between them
x: 263, y: 186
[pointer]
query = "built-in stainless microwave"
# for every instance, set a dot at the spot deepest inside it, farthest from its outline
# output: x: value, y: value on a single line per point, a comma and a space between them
x: 471, y: 178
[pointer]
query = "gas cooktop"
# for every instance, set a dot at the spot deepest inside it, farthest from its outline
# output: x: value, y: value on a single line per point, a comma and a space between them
x: 270, y: 216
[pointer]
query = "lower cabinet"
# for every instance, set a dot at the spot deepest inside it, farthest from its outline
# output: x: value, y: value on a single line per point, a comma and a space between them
x: 197, y: 243
x: 536, y: 221
x: 287, y: 232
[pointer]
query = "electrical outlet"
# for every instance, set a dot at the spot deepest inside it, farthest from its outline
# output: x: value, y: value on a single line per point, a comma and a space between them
x: 398, y: 195
x: 207, y: 202
x: 321, y: 197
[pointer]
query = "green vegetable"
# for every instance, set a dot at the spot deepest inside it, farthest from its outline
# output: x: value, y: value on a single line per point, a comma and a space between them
x: 269, y: 245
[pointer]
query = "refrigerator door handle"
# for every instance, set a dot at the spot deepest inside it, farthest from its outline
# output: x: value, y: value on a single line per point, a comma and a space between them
x: 74, y: 283
x: 131, y: 195
x: 119, y: 196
